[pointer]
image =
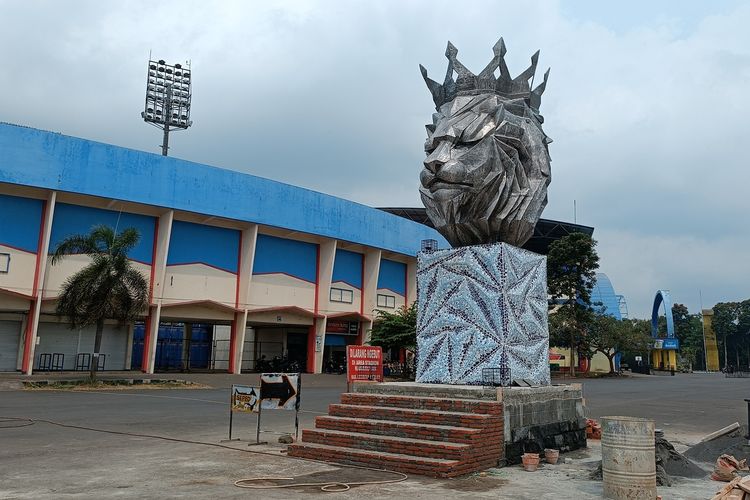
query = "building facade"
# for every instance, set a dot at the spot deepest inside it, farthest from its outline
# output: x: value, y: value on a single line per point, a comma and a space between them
x: 243, y: 270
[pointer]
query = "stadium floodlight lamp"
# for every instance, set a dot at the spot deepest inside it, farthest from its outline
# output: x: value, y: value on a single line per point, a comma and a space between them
x: 168, y: 96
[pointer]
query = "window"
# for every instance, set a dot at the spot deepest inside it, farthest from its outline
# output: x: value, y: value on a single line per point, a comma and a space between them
x: 388, y: 301
x: 4, y: 262
x: 342, y: 295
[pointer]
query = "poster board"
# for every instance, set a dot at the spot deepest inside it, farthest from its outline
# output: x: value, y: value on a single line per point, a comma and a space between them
x: 364, y: 363
x: 280, y: 391
x: 245, y: 399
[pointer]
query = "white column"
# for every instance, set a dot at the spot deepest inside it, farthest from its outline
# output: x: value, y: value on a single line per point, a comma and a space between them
x: 249, y: 238
x: 370, y: 289
x: 36, y: 303
x: 325, y: 276
x: 411, y: 282
x: 151, y: 337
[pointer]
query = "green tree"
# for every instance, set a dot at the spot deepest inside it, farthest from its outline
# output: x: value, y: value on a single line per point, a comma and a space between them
x: 689, y: 330
x: 572, y: 262
x: 110, y: 287
x: 395, y: 329
x: 731, y: 323
x: 610, y: 336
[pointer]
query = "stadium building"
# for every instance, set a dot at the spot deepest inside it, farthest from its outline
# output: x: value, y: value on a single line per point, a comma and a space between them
x: 243, y: 270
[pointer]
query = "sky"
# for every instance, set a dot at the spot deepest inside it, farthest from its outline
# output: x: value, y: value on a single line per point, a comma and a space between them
x: 646, y: 104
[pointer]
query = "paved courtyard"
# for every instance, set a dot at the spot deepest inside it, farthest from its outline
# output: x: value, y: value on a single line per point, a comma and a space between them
x: 44, y: 460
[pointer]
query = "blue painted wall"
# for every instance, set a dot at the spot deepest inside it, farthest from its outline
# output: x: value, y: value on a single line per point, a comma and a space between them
x: 75, y: 219
x: 279, y: 255
x: 392, y: 276
x: 215, y: 246
x: 32, y: 157
x: 348, y: 268
x: 20, y: 219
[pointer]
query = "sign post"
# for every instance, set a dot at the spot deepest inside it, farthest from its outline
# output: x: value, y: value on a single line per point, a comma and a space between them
x: 281, y: 391
x: 364, y: 363
x: 244, y: 399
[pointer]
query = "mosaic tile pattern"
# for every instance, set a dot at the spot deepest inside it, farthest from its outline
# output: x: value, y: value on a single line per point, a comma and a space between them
x: 482, y: 306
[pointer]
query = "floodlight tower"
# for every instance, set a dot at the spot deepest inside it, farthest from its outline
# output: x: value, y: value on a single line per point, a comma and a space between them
x: 168, y: 95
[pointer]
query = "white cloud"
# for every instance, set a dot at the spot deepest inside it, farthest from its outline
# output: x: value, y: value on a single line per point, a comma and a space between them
x: 648, y: 117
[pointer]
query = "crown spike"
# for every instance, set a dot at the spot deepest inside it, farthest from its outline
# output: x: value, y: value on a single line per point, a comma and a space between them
x: 467, y: 83
x: 435, y: 88
x: 499, y: 48
x: 529, y: 73
x: 535, y: 98
x: 451, y: 51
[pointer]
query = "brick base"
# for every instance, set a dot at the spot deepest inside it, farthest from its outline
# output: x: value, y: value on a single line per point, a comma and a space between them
x: 436, y: 437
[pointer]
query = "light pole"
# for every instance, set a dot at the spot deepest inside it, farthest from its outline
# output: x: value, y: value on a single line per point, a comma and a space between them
x: 168, y: 97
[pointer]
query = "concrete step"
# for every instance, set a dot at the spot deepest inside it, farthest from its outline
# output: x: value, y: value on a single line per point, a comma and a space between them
x: 432, y: 417
x: 392, y: 461
x: 401, y: 429
x: 423, y: 403
x: 388, y: 444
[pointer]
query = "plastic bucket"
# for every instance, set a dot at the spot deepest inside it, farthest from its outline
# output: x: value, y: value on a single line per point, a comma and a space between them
x: 628, y: 459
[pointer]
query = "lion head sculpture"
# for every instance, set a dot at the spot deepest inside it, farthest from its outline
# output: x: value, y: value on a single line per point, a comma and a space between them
x: 487, y: 169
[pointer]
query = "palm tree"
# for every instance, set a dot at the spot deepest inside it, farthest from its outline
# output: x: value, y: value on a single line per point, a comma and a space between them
x: 108, y: 288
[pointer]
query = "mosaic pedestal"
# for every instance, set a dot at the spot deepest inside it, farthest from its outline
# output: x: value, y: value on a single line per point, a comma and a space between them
x: 482, y: 311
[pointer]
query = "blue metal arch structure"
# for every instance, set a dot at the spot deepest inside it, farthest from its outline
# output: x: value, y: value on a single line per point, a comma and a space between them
x: 662, y: 296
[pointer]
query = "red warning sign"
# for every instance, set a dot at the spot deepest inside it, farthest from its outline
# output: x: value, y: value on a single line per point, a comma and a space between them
x: 364, y: 362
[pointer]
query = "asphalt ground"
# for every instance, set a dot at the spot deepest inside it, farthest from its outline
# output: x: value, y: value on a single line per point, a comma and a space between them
x: 48, y: 461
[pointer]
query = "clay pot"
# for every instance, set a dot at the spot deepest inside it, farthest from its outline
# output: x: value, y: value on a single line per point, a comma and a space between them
x: 551, y: 455
x: 530, y: 461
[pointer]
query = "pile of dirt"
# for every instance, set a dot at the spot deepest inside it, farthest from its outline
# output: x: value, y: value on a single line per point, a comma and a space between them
x: 675, y: 463
x: 734, y: 444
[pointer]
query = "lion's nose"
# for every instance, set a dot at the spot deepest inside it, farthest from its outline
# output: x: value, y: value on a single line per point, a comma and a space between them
x: 439, y: 157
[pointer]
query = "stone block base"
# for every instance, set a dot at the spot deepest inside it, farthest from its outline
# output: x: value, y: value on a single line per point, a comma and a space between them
x: 543, y: 417
x: 482, y: 313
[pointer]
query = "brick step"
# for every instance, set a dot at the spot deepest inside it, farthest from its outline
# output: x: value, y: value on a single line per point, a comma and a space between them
x: 381, y: 460
x: 434, y: 417
x: 401, y: 429
x: 423, y: 403
x: 389, y: 444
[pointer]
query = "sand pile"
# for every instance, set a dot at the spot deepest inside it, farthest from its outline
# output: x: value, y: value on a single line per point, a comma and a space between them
x: 734, y: 444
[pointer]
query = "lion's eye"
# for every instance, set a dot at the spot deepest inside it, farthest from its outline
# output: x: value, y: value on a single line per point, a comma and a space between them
x: 466, y: 145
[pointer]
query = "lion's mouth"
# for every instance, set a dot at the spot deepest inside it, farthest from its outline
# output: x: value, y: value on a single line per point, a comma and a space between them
x: 436, y: 183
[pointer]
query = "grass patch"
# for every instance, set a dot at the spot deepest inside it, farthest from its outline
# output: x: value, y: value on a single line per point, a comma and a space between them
x: 110, y: 384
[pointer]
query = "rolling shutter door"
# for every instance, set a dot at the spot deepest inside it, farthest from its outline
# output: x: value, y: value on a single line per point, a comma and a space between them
x: 114, y: 344
x: 10, y: 333
x: 58, y: 338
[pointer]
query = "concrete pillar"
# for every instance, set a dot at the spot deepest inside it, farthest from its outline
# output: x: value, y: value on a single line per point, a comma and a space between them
x: 129, y: 347
x: 237, y: 342
x: 42, y: 252
x: 248, y: 240
x: 369, y: 290
x: 411, y: 282
x: 672, y: 359
x: 158, y: 275
x: 150, y: 338
x: 326, y: 260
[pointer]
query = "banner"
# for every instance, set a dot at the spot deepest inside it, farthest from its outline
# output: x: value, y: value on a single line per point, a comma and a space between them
x: 245, y: 398
x: 364, y: 363
x: 280, y: 391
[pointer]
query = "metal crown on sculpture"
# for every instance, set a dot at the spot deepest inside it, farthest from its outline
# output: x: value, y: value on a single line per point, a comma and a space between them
x: 482, y: 306
x: 487, y: 169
